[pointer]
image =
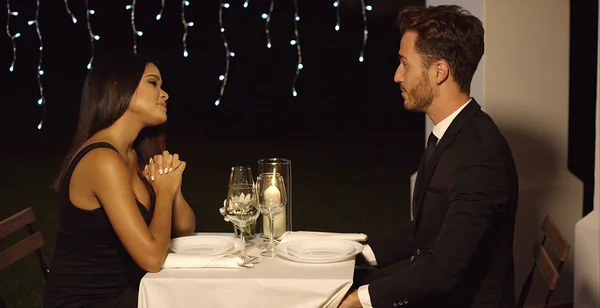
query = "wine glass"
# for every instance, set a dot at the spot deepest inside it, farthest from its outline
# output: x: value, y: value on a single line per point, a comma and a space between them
x: 241, y: 209
x: 271, y: 200
x: 242, y: 175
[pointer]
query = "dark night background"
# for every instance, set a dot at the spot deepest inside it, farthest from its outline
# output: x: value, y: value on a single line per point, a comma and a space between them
x: 352, y: 145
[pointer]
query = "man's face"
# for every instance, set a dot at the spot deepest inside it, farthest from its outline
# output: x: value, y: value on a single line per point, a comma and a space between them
x: 412, y: 76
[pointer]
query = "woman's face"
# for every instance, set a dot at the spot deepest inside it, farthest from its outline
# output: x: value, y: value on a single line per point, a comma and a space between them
x: 149, y: 101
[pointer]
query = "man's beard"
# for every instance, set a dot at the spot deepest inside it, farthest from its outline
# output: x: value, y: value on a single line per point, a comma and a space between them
x: 419, y: 97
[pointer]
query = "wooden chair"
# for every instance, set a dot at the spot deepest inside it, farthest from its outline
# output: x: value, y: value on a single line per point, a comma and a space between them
x: 550, y: 272
x: 31, y: 243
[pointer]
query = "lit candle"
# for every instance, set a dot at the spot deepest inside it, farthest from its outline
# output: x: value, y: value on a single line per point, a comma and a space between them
x: 273, y: 198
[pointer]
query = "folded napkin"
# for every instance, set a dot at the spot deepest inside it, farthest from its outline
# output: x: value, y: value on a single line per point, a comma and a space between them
x: 188, y: 260
x: 301, y: 235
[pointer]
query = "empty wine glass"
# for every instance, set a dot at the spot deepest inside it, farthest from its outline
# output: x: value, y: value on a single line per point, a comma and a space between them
x: 241, y: 209
x: 241, y: 175
x: 271, y: 200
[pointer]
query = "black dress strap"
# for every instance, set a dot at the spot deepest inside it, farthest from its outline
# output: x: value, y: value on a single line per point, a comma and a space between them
x: 75, y: 161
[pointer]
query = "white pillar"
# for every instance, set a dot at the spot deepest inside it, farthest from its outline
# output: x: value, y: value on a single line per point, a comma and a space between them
x: 523, y: 83
x: 587, y: 233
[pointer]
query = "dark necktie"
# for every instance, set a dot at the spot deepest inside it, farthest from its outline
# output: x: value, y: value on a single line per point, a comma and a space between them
x: 431, y: 143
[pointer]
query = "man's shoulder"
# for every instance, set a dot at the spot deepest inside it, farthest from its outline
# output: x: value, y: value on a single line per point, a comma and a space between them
x: 480, y: 136
x: 481, y: 129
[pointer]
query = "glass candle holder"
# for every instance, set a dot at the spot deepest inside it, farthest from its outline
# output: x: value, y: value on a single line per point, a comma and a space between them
x: 283, y: 220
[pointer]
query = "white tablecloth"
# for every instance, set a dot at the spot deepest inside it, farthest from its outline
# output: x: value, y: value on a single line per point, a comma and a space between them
x: 274, y: 282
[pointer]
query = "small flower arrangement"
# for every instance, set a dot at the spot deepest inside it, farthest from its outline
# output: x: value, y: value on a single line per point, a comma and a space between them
x: 248, y: 230
x: 241, y: 202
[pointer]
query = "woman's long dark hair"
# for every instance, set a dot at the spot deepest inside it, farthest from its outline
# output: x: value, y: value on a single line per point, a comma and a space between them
x: 107, y: 92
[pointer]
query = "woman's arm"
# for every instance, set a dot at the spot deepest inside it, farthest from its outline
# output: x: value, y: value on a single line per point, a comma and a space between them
x: 111, y: 184
x: 184, y: 219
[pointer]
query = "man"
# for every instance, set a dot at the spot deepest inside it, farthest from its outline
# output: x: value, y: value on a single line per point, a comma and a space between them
x: 466, y: 192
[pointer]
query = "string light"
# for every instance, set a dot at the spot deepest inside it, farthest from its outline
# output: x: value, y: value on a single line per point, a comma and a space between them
x: 296, y: 42
x: 267, y: 18
x: 365, y: 8
x: 41, y: 100
x: 162, y: 8
x: 336, y: 4
x: 246, y: 3
x: 186, y: 25
x: 93, y: 37
x: 135, y: 31
x: 69, y: 11
x: 228, y: 53
x: 10, y: 35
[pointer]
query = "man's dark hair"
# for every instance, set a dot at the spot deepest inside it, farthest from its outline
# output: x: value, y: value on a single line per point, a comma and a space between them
x: 446, y: 32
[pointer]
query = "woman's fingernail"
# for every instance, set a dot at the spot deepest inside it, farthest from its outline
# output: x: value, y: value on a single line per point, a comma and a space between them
x: 160, y: 171
x: 150, y: 159
x: 152, y: 178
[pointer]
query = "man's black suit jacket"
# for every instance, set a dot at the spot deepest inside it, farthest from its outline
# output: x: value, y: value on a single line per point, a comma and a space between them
x: 461, y: 236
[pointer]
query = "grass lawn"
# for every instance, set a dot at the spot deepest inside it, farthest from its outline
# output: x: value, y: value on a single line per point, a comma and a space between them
x: 355, y: 184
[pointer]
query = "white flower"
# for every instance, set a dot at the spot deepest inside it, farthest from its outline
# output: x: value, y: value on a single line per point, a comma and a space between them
x: 240, y: 202
x: 241, y: 199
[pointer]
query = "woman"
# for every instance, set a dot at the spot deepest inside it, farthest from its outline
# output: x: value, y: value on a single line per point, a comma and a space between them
x: 120, y: 190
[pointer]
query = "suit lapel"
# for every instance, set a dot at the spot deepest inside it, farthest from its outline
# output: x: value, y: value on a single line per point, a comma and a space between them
x: 449, y: 136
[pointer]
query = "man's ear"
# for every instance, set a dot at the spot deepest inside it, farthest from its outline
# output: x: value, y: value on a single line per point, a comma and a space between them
x: 442, y: 71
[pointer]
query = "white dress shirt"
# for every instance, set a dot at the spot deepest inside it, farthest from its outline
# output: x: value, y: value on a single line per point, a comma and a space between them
x: 438, y: 130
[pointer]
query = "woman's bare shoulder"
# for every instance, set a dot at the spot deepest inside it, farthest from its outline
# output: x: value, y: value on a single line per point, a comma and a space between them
x: 103, y: 160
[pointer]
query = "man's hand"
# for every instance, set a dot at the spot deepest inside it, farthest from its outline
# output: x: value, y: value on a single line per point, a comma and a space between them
x: 351, y: 300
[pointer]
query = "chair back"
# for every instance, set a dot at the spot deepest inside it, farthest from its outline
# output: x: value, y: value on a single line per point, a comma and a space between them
x: 557, y: 245
x: 32, y: 243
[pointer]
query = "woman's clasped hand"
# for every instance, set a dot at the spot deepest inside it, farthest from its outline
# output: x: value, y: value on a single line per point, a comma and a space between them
x: 164, y: 171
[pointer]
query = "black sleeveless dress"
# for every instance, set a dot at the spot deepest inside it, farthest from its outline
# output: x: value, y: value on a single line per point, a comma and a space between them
x: 90, y: 267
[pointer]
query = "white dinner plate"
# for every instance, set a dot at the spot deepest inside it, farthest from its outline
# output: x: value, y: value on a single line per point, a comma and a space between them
x: 212, y: 245
x: 319, y: 250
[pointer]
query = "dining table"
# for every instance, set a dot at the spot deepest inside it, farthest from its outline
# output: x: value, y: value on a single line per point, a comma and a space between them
x: 267, y: 282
